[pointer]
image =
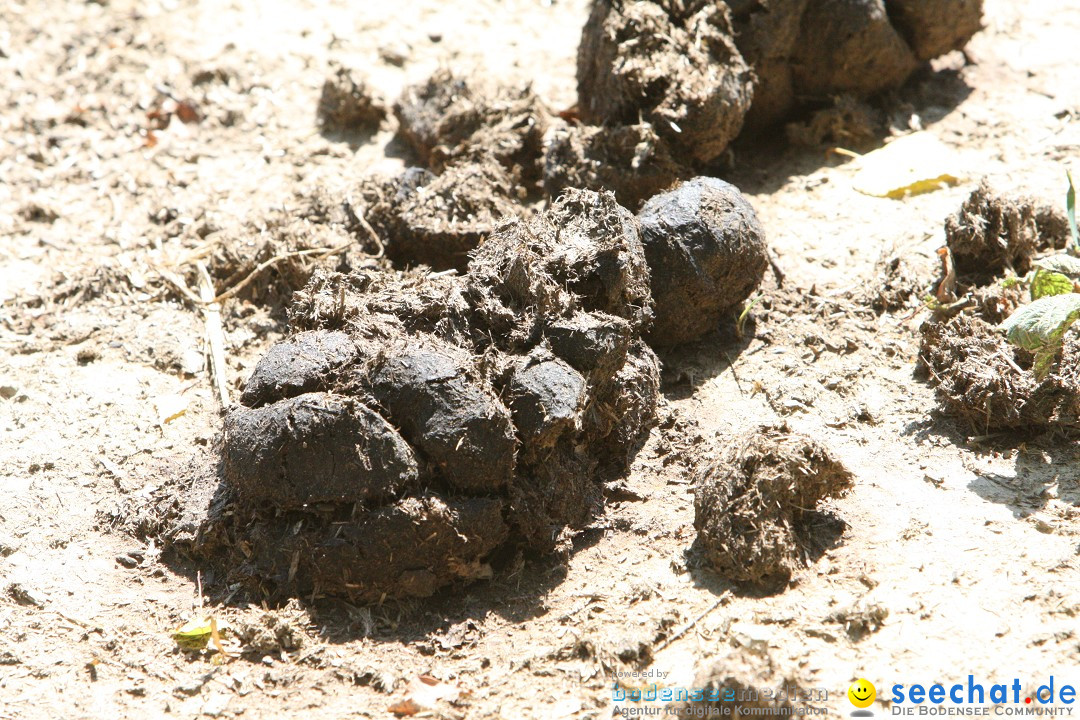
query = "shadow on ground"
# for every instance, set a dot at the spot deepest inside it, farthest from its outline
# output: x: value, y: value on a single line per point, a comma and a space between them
x: 1046, y: 463
x: 758, y: 164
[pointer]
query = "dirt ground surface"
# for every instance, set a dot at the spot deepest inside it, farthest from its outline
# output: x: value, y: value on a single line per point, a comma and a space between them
x: 139, y: 138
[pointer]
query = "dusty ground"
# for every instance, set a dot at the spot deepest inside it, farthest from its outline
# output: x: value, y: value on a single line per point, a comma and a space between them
x: 968, y: 542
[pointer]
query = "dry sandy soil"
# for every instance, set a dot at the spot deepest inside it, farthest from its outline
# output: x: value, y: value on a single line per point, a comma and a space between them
x: 959, y: 553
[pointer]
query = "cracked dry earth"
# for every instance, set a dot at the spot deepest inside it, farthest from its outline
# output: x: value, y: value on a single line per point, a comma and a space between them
x: 956, y: 551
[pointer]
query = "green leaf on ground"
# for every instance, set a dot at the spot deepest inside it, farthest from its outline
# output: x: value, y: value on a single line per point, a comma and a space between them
x: 1064, y: 264
x: 1040, y: 326
x: 1047, y: 283
x: 194, y: 634
x: 1043, y: 322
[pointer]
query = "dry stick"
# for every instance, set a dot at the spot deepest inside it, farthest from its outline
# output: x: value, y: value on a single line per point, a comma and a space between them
x: 178, y: 282
x: 201, y: 251
x: 215, y: 336
x: 373, y: 236
x: 686, y: 628
x: 318, y: 252
x: 215, y: 636
x: 211, y: 303
x: 843, y: 151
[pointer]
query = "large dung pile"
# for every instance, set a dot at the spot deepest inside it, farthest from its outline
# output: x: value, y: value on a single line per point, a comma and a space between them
x: 699, y: 71
x: 413, y: 424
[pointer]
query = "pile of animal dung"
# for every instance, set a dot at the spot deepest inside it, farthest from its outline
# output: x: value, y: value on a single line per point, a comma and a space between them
x: 417, y: 426
x: 664, y: 87
x: 480, y: 149
x: 754, y: 504
x: 698, y: 73
x: 982, y: 378
x: 707, y: 254
x: 414, y: 424
x: 989, y: 383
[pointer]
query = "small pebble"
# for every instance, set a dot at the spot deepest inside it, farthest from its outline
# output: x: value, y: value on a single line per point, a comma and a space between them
x: 395, y: 55
x: 127, y: 561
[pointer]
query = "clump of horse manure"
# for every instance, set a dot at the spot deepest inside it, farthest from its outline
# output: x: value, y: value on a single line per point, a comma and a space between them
x: 734, y: 682
x: 981, y: 378
x: 481, y: 149
x: 632, y: 161
x: 437, y: 220
x: 414, y: 424
x: 448, y: 119
x: 706, y: 252
x: 766, y: 35
x: 994, y: 231
x: 935, y: 27
x: 849, y: 46
x: 700, y: 72
x: 754, y: 505
x: 989, y: 383
x: 348, y: 104
x: 853, y: 46
x: 677, y: 69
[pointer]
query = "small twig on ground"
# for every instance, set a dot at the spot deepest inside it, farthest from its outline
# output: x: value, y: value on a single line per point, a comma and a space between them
x: 778, y: 274
x: 215, y: 637
x: 317, y: 252
x: 358, y: 215
x: 374, y: 236
x: 690, y: 625
x: 843, y: 152
x: 200, y: 252
x: 946, y: 289
x: 215, y: 336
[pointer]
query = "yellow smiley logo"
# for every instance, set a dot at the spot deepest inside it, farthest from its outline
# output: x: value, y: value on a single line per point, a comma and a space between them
x: 862, y: 693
